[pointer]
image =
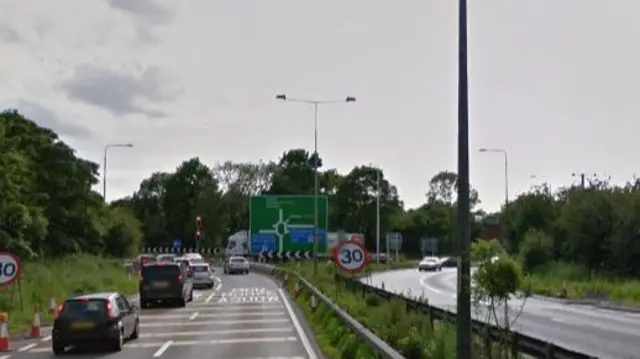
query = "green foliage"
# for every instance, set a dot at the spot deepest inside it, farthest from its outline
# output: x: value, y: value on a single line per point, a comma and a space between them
x: 536, y: 250
x: 62, y: 278
x: 411, y: 334
x: 47, y: 207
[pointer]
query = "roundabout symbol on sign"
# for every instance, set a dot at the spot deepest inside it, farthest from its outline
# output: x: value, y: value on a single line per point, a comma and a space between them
x: 351, y: 256
x: 9, y: 267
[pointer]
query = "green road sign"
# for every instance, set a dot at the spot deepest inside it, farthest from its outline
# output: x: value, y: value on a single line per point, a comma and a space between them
x: 286, y: 223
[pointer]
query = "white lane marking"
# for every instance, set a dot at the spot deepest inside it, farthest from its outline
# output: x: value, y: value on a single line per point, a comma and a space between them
x: 219, y: 285
x: 214, y: 322
x: 163, y: 348
x: 213, y: 342
x: 45, y: 339
x: 214, y: 315
x: 214, y: 307
x: 559, y: 320
x: 294, y: 319
x: 5, y: 357
x: 218, y: 332
x: 206, y: 301
x: 27, y: 347
x: 423, y: 282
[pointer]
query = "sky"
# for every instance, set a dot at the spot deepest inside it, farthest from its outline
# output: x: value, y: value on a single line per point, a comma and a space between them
x: 551, y: 82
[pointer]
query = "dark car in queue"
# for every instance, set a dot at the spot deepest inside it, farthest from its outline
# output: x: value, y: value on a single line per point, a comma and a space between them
x: 166, y: 283
x: 95, y: 319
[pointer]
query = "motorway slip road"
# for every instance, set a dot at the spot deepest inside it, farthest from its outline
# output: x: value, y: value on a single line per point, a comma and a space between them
x: 603, y: 333
x: 244, y: 317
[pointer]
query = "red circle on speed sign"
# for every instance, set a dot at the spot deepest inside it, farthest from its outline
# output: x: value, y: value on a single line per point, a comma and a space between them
x: 10, y: 267
x: 350, y: 256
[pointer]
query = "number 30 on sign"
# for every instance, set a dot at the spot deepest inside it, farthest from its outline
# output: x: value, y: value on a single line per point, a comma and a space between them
x: 351, y: 256
x: 9, y: 267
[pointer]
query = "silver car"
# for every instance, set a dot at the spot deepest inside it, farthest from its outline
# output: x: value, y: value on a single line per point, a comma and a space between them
x: 430, y: 264
x: 236, y: 264
x: 202, y: 275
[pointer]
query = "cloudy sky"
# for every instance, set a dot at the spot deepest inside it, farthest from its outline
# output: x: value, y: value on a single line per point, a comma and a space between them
x: 552, y: 82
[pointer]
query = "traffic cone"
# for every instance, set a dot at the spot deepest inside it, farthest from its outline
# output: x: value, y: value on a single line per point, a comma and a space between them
x: 314, y: 303
x: 53, y: 308
x: 296, y: 290
x: 4, y: 333
x: 35, y: 326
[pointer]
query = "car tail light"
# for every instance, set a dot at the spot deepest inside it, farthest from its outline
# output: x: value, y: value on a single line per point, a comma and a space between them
x: 111, y: 310
x: 180, y: 276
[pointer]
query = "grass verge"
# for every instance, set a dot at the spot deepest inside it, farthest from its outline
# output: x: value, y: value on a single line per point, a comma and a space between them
x: 45, y: 279
x: 410, y: 333
x: 548, y: 281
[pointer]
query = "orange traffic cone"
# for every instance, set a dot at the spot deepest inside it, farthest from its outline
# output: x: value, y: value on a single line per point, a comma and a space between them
x: 296, y: 290
x: 35, y: 326
x: 53, y: 308
x: 4, y: 333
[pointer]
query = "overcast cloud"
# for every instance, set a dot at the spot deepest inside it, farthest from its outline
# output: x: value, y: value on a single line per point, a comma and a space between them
x: 552, y: 82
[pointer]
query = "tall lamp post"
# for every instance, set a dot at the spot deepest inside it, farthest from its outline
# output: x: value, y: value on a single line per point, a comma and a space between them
x: 104, y: 165
x: 506, y: 170
x: 315, y: 104
x: 463, y: 304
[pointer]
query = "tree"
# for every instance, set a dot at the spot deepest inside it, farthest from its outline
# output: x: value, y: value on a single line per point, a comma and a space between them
x: 294, y: 173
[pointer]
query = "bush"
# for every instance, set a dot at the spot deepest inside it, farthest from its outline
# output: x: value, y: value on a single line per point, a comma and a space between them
x: 536, y: 250
x: 409, y: 333
x: 42, y: 280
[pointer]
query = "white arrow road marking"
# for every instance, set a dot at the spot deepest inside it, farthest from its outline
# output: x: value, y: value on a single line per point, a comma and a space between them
x: 163, y: 348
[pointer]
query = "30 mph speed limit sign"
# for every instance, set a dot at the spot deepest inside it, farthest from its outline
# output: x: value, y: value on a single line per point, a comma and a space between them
x: 351, y: 256
x: 9, y: 267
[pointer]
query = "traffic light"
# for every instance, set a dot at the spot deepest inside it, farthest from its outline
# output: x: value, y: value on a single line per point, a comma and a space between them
x: 199, y: 222
x: 197, y: 235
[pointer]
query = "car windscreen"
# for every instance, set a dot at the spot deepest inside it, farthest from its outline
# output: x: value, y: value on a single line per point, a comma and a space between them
x: 160, y: 272
x: 238, y: 260
x: 80, y: 308
x: 200, y: 269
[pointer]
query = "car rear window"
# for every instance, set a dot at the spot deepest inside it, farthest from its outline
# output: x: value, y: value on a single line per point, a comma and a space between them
x: 155, y: 272
x: 200, y: 269
x: 77, y: 308
x: 238, y: 260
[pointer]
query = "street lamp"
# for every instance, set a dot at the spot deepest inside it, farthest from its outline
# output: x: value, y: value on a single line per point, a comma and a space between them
x: 506, y: 171
x: 104, y: 165
x: 315, y: 103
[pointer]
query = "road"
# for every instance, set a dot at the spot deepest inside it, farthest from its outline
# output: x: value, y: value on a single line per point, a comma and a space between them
x: 603, y: 333
x: 244, y: 317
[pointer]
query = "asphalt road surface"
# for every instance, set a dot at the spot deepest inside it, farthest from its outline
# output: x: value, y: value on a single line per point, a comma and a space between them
x: 603, y: 333
x: 244, y: 317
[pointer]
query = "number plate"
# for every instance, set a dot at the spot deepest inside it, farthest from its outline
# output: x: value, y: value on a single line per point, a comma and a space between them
x: 160, y: 284
x: 82, y: 325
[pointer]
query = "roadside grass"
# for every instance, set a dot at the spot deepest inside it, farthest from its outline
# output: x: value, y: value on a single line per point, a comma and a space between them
x: 408, y: 332
x: 548, y: 281
x: 60, y: 278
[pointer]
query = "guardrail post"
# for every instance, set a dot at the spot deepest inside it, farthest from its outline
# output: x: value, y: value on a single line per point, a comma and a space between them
x: 486, y: 342
x: 513, y: 336
x: 549, y: 351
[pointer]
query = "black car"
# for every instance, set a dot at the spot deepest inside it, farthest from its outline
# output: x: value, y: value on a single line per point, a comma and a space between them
x: 94, y: 319
x: 165, y: 282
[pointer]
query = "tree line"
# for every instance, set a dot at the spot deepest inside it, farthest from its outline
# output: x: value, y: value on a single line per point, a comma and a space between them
x: 48, y: 207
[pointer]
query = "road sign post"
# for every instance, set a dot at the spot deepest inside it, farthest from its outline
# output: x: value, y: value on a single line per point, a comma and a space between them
x: 286, y: 223
x: 10, y: 268
x: 350, y: 257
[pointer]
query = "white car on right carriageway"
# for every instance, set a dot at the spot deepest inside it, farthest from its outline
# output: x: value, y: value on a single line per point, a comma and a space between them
x: 430, y: 264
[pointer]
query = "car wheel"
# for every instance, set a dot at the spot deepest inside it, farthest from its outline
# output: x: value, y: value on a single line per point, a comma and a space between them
x: 136, y: 332
x: 144, y: 304
x: 182, y: 303
x: 118, y: 342
x: 57, y: 347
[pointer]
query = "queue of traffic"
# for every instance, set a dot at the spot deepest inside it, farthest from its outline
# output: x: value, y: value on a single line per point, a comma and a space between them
x: 109, y: 318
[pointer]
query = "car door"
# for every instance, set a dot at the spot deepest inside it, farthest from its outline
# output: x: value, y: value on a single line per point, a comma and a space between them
x: 125, y: 311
